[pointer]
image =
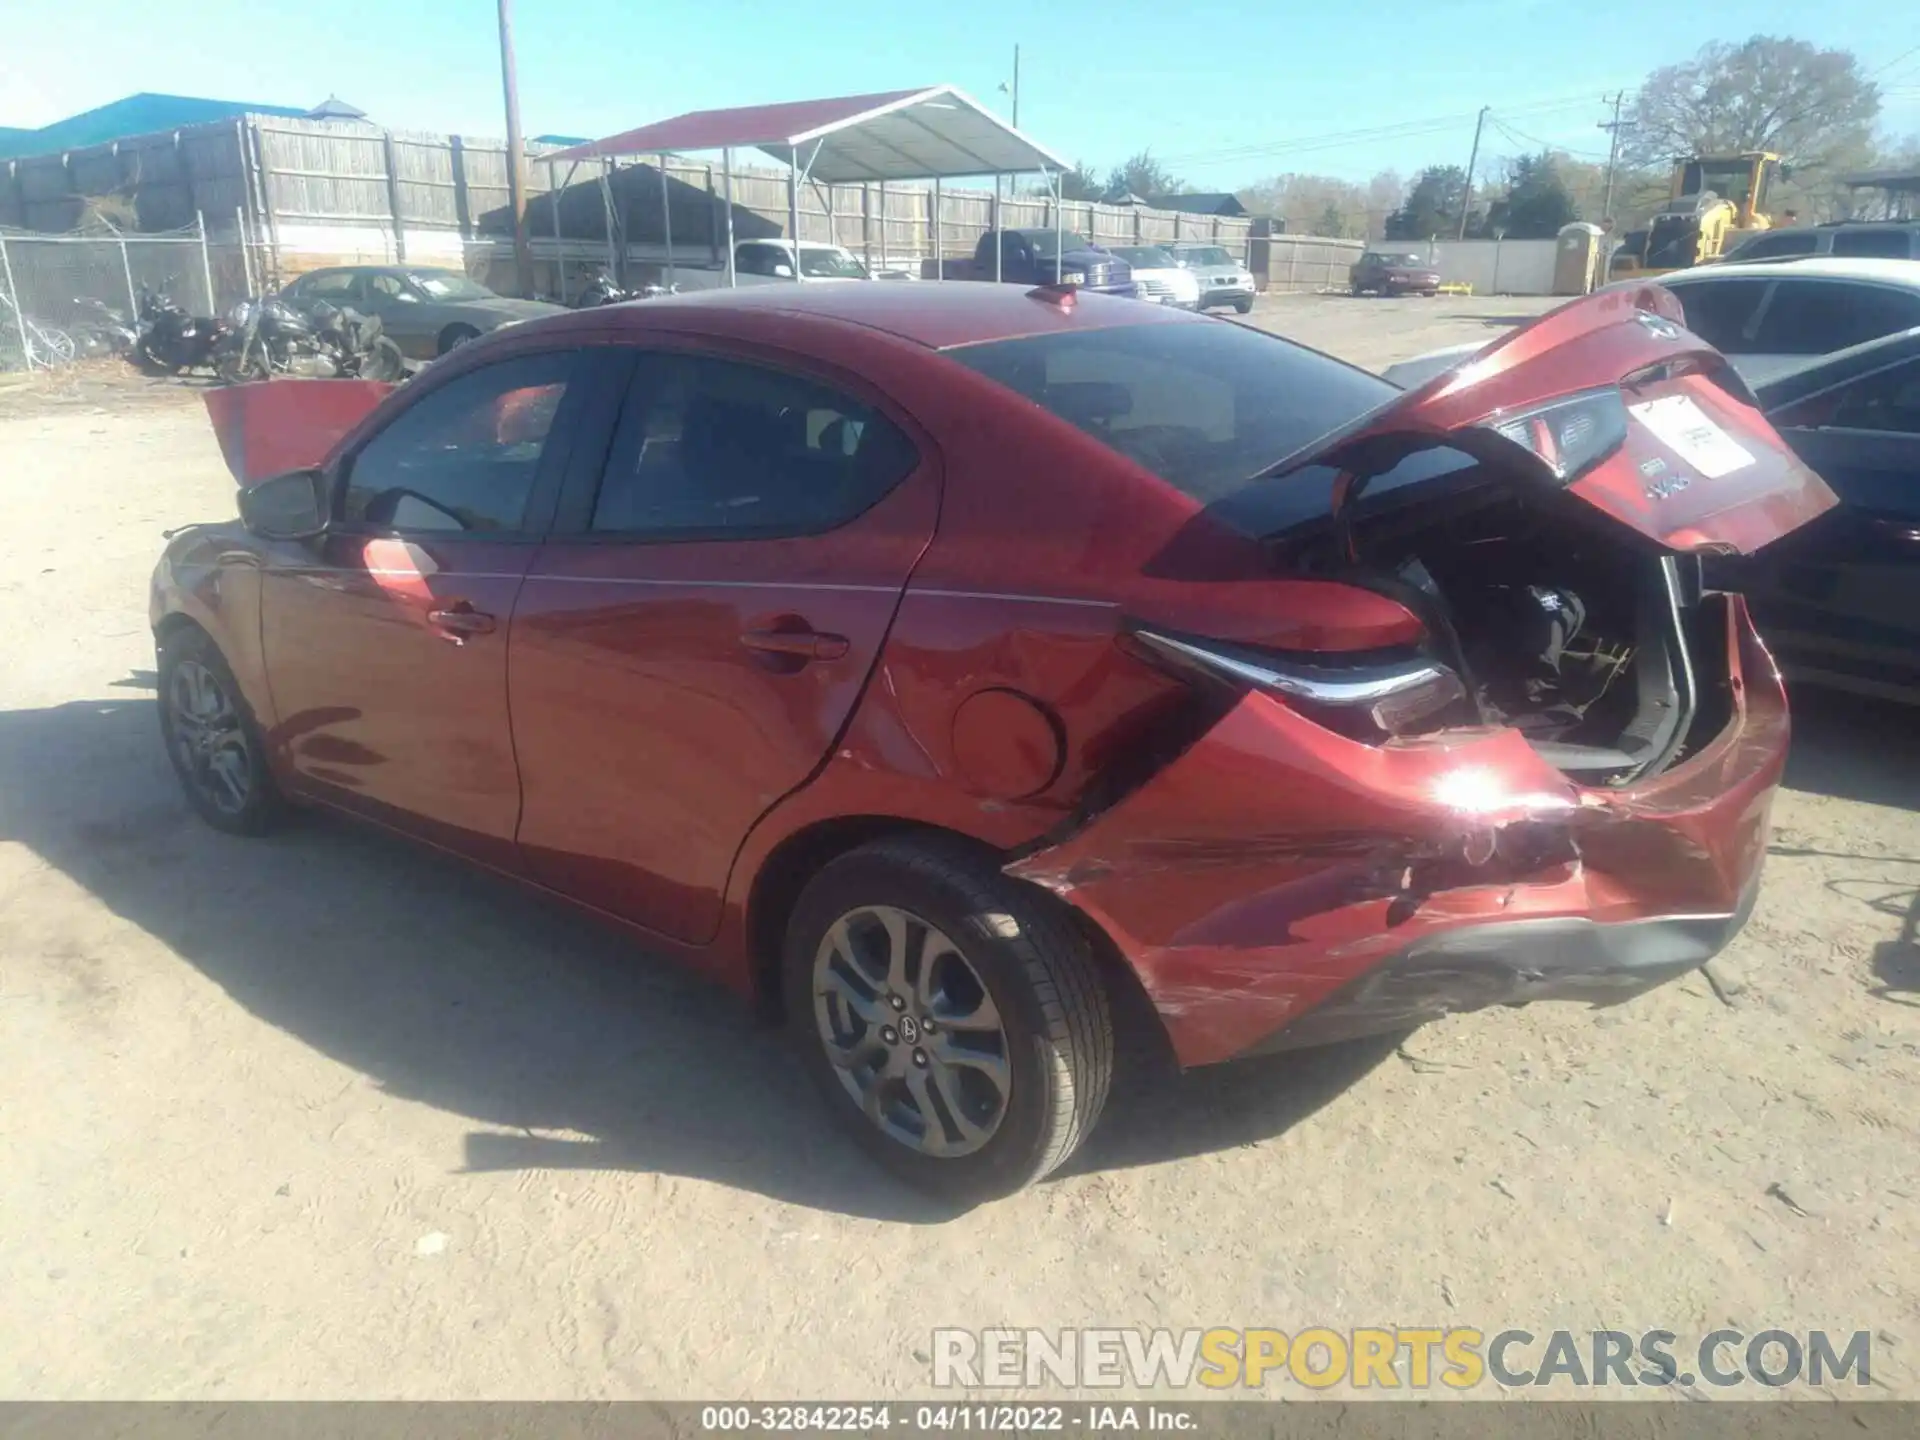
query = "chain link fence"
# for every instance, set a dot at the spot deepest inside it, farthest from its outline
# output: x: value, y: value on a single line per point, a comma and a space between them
x: 52, y: 285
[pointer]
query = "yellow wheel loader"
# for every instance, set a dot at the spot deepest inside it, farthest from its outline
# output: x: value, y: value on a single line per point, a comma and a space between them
x: 1716, y: 201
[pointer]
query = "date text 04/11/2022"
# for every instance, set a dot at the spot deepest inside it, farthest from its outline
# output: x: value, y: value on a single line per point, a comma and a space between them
x: 945, y: 1419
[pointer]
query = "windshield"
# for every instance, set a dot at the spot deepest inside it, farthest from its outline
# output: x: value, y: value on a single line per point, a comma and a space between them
x: 1043, y: 242
x: 1204, y: 407
x: 1145, y: 257
x: 1726, y: 178
x: 824, y: 264
x: 449, y: 285
x: 1205, y: 255
x: 1402, y: 260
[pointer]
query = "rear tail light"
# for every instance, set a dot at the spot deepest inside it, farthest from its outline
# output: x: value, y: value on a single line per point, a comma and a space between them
x: 1569, y: 435
x: 1373, y: 698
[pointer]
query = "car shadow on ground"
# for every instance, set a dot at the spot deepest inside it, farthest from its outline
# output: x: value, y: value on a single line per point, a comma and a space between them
x: 569, y: 1047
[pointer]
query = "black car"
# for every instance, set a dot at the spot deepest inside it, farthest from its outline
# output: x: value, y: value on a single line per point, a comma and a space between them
x: 1838, y: 600
x: 1868, y: 239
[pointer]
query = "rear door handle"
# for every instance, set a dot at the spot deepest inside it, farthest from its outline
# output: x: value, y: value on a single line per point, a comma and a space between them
x: 460, y: 620
x: 806, y: 644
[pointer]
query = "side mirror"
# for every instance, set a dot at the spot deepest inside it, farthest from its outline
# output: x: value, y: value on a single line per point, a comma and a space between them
x: 783, y: 272
x: 293, y: 506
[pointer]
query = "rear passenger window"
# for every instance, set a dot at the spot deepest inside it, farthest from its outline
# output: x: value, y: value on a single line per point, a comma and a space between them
x: 1817, y: 317
x: 1880, y: 244
x: 714, y: 448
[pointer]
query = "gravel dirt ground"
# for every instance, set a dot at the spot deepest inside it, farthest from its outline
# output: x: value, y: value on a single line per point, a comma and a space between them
x: 326, y: 1116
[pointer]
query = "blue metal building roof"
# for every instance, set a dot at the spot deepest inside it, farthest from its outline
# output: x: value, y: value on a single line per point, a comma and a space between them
x: 140, y: 114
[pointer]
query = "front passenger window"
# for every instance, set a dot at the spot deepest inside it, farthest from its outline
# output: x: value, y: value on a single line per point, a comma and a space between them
x: 466, y: 456
x: 712, y: 448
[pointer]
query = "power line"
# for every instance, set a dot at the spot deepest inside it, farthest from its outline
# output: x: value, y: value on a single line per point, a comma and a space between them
x: 1400, y: 130
x: 1914, y: 50
x: 1521, y: 137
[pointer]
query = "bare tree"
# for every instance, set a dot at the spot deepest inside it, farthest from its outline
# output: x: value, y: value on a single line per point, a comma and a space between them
x: 1767, y: 93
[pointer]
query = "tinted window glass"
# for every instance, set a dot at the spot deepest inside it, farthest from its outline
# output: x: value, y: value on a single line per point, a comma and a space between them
x: 333, y: 285
x: 1816, y: 317
x: 464, y: 457
x: 1204, y: 407
x: 713, y: 446
x: 1719, y: 312
x: 1885, y: 244
x: 1775, y: 247
x: 1887, y: 401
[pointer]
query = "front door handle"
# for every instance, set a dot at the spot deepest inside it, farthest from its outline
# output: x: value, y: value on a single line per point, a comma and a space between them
x: 460, y: 620
x: 804, y: 644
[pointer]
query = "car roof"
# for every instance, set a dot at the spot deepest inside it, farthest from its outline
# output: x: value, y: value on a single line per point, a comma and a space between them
x: 933, y: 313
x: 1834, y: 267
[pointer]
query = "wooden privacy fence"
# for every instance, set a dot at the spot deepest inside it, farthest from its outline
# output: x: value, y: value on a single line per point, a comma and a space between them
x: 310, y: 193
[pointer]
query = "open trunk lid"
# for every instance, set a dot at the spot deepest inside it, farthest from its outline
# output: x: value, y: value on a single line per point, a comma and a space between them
x: 1614, y: 400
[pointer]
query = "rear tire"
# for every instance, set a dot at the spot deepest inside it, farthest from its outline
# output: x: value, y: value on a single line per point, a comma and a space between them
x: 212, y: 738
x: 904, y: 932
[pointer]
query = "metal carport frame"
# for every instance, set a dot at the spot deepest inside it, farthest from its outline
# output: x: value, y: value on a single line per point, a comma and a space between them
x: 934, y: 134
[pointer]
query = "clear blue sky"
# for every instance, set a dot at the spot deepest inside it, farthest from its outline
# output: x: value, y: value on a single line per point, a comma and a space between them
x: 1218, y: 89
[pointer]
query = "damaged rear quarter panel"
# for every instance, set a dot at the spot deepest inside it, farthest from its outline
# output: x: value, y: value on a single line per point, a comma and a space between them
x: 1275, y: 861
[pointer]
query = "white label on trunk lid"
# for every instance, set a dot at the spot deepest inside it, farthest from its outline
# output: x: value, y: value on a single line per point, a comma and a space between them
x: 1683, y: 427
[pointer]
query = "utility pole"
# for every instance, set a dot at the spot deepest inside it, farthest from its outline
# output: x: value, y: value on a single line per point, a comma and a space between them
x: 1473, y: 159
x: 516, y: 156
x: 1016, y: 87
x: 1615, y: 126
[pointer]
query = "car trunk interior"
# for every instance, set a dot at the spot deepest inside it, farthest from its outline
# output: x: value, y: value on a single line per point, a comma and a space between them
x: 1594, y: 642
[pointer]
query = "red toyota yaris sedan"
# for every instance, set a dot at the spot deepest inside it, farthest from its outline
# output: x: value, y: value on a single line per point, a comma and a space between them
x: 935, y: 662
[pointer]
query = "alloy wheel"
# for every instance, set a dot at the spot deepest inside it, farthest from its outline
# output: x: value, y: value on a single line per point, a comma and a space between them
x: 209, y: 740
x: 913, y: 1035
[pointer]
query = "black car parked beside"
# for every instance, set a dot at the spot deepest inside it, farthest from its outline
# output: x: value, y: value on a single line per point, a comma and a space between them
x: 1838, y: 601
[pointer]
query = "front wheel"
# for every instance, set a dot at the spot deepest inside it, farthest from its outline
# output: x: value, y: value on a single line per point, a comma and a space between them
x: 454, y: 336
x: 952, y: 1019
x: 212, y: 738
x: 1241, y: 307
x: 151, y: 363
x: 240, y: 364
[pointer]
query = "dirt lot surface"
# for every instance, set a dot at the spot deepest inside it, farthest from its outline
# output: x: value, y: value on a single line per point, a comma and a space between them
x: 324, y: 1116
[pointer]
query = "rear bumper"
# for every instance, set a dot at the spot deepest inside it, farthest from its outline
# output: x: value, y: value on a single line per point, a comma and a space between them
x: 1513, y: 964
x: 1276, y: 870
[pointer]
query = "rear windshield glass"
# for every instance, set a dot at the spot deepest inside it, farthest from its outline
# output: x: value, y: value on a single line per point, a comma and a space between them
x: 1205, y: 407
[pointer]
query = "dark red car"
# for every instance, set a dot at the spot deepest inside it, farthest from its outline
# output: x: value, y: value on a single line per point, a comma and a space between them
x: 935, y: 663
x: 1394, y: 272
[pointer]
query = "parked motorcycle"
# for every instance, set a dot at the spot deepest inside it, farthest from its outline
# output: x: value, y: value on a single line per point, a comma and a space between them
x: 171, y: 339
x: 602, y: 290
x: 268, y: 336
